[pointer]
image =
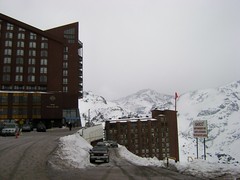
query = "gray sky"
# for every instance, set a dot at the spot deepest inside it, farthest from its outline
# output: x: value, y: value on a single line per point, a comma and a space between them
x: 165, y: 45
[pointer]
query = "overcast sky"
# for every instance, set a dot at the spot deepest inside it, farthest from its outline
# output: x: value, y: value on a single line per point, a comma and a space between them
x: 165, y: 45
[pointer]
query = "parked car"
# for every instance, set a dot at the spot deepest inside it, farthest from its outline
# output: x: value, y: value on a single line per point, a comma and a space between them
x: 41, y: 127
x: 9, y: 129
x: 26, y: 128
x: 99, y: 153
x: 1, y: 127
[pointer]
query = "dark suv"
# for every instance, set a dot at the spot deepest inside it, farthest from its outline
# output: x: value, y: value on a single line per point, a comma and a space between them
x: 99, y: 153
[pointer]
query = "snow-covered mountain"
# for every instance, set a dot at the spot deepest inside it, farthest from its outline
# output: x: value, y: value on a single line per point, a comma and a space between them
x: 219, y: 106
x: 136, y: 105
x: 145, y: 100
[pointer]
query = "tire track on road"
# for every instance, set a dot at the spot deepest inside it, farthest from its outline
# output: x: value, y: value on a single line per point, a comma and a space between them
x: 15, y: 172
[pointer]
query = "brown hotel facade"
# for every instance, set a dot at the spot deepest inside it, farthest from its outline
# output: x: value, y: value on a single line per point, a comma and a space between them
x: 40, y: 73
x: 147, y: 137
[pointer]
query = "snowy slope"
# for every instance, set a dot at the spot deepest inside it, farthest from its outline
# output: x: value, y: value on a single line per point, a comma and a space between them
x: 145, y: 100
x: 219, y: 106
x: 98, y: 109
x: 135, y: 105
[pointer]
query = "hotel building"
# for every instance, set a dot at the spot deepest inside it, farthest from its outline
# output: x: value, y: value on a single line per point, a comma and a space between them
x: 41, y: 77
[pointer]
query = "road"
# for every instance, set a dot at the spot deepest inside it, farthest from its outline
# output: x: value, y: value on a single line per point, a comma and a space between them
x: 30, y: 157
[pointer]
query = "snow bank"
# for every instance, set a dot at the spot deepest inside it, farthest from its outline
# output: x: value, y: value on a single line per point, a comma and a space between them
x: 75, y: 151
x: 205, y: 169
x: 124, y: 153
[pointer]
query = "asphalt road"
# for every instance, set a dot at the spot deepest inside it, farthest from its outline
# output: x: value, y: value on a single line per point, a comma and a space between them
x: 31, y: 157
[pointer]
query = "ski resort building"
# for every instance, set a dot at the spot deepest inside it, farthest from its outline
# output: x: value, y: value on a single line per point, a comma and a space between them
x: 40, y: 73
x: 147, y: 137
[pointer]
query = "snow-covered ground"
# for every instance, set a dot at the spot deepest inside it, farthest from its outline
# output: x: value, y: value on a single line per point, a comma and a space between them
x: 74, y: 151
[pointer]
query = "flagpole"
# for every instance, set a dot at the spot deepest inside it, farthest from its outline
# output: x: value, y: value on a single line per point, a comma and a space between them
x: 175, y: 104
x: 176, y: 96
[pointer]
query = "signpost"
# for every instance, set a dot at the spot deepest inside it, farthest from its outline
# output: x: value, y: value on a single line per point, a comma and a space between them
x: 200, y: 130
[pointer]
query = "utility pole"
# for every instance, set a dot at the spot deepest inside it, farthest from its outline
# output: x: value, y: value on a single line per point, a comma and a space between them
x: 89, y: 117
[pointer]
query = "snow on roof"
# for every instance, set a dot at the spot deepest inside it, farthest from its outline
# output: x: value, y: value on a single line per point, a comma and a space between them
x: 132, y: 120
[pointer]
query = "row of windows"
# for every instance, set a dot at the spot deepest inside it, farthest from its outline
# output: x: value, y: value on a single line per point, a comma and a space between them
x: 152, y: 131
x: 21, y: 34
x: 19, y: 78
x: 20, y: 52
x: 19, y: 69
x: 43, y: 45
x: 20, y: 60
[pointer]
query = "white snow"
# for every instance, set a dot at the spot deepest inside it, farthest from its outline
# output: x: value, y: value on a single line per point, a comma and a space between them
x: 74, y: 151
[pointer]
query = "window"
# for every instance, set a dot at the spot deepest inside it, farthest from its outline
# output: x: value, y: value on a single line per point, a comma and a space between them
x: 7, y: 60
x: 32, y: 44
x: 6, y: 69
x: 65, y: 65
x: 19, y: 60
x: 44, y: 45
x: 32, y: 53
x: 8, y: 52
x: 36, y: 99
x: 31, y: 78
x: 20, y: 52
x: 65, y: 49
x: 33, y: 36
x: 65, y: 80
x: 3, y: 99
x: 44, y: 53
x: 43, y: 70
x: 65, y: 57
x: 20, y: 44
x: 31, y: 61
x: 19, y: 78
x: 20, y: 98
x: 9, y: 26
x: 6, y: 77
x: 8, y: 43
x: 65, y: 89
x: 21, y: 36
x: 43, y: 62
x: 21, y: 29
x: 69, y: 34
x: 19, y: 69
x: 65, y: 72
x: 31, y: 69
x: 9, y: 35
x: 43, y: 78
x: 44, y: 39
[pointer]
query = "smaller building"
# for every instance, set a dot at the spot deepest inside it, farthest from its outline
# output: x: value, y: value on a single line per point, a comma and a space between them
x: 147, y: 137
